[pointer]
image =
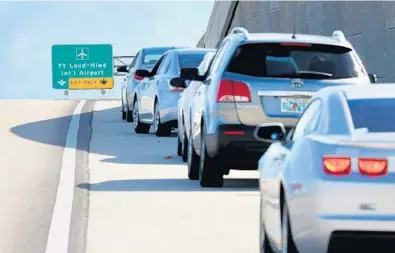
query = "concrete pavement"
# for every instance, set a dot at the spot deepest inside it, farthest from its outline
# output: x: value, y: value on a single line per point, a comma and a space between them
x: 142, y: 201
x: 32, y: 135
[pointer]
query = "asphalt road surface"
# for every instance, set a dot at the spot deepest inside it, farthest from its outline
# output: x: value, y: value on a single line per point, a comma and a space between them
x: 142, y: 201
x: 74, y: 181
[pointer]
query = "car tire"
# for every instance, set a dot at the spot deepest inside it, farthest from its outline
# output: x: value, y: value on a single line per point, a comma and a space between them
x: 287, y: 243
x: 264, y: 245
x: 123, y: 111
x: 129, y: 114
x: 161, y: 130
x: 209, y: 173
x: 185, y: 149
x: 179, y: 146
x: 193, y: 161
x: 139, y: 127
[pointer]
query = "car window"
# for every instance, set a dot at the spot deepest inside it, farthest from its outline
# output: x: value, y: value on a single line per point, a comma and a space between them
x: 157, y: 65
x: 133, y: 64
x: 165, y: 65
x: 190, y: 60
x: 280, y: 60
x: 374, y: 114
x: 205, y: 63
x: 308, y: 116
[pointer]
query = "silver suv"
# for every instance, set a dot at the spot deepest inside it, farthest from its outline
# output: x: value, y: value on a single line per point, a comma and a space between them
x: 260, y: 78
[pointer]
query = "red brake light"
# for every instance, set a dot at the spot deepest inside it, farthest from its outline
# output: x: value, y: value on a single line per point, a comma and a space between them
x: 233, y: 91
x: 138, y: 78
x: 372, y: 166
x: 337, y: 166
x: 298, y: 44
x: 176, y: 89
x: 230, y: 132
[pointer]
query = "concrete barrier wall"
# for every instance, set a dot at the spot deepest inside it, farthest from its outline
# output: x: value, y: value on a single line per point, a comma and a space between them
x: 369, y: 26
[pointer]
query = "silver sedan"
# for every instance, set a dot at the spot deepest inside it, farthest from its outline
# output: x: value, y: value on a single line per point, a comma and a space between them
x: 329, y: 185
x: 184, y: 106
x: 157, y: 100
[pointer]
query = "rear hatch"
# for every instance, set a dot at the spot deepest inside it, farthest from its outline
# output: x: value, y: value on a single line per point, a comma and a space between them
x: 367, y: 192
x: 282, y: 77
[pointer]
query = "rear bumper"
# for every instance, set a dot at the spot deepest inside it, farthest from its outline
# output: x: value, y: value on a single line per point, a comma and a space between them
x: 330, y: 234
x: 236, y: 146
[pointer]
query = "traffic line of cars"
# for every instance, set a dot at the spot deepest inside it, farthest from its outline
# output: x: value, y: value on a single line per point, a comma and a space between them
x: 303, y: 110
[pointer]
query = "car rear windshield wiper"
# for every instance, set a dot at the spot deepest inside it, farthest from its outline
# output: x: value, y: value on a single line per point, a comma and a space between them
x: 306, y: 74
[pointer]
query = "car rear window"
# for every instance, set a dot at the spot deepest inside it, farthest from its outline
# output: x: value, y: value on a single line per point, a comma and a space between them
x: 310, y: 61
x: 151, y: 56
x: 377, y: 115
x: 191, y: 60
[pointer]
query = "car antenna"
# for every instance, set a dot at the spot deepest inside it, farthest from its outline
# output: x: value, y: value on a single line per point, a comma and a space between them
x: 294, y: 32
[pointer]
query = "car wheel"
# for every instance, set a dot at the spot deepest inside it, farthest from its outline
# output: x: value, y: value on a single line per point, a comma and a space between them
x: 139, y: 127
x: 179, y: 146
x: 123, y: 111
x: 185, y: 149
x: 264, y: 246
x: 193, y: 161
x: 287, y: 244
x: 209, y: 173
x: 129, y: 114
x: 159, y: 128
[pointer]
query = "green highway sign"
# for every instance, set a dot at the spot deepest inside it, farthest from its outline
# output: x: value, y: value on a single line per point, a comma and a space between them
x: 82, y: 67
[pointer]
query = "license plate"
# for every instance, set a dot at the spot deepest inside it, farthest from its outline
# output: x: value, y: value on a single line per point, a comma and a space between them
x: 293, y: 105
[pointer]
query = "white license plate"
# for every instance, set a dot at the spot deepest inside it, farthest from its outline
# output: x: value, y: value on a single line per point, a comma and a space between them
x: 294, y: 105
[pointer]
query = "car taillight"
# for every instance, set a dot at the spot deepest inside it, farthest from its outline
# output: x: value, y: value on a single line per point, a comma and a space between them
x: 372, y: 166
x: 233, y: 132
x: 233, y: 91
x: 138, y: 78
x: 176, y: 89
x: 337, y: 166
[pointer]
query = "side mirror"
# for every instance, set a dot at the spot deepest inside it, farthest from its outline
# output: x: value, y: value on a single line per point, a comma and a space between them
x: 373, y: 78
x: 142, y: 73
x: 178, y: 82
x: 270, y: 132
x: 123, y: 69
x: 190, y: 74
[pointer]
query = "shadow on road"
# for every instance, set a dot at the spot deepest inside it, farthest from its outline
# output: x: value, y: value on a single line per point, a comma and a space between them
x: 169, y: 185
x: 122, y: 150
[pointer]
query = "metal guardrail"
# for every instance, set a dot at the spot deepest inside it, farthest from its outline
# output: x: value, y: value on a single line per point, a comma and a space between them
x: 120, y: 61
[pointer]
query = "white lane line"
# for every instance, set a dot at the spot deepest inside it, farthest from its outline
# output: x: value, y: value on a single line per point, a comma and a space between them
x: 58, y: 236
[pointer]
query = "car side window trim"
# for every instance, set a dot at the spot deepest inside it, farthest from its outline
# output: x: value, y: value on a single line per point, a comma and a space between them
x: 157, y: 65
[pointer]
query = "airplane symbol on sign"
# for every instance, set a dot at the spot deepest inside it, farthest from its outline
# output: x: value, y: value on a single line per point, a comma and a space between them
x: 81, y: 55
x: 103, y: 81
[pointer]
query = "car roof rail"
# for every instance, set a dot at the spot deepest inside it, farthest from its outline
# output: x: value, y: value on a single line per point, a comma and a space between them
x: 240, y: 30
x: 339, y: 35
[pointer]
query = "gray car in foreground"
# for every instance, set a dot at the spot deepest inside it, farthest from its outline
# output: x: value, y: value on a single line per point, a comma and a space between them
x: 329, y: 185
x: 156, y: 99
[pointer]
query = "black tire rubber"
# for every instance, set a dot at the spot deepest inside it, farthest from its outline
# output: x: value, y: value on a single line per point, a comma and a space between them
x: 193, y: 161
x: 185, y: 149
x: 140, y: 128
x: 128, y: 114
x: 264, y: 245
x: 179, y: 146
x: 209, y: 173
x: 291, y: 248
x: 123, y: 110
x: 163, y: 129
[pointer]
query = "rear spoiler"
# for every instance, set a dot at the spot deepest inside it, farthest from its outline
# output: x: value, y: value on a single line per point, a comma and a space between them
x: 120, y: 61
